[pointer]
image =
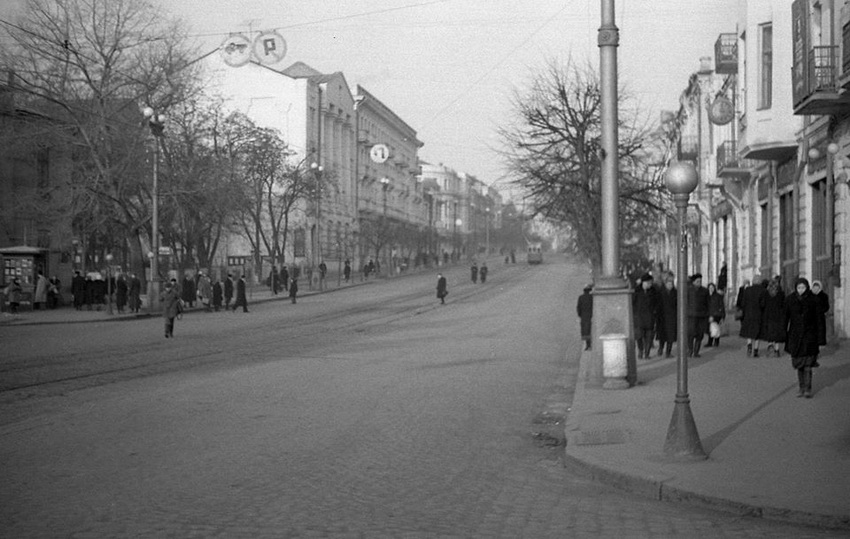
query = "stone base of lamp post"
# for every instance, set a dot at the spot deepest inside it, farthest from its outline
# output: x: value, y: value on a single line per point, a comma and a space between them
x: 612, y: 315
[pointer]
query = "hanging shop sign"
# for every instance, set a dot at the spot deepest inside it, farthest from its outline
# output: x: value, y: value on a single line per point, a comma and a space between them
x: 721, y: 111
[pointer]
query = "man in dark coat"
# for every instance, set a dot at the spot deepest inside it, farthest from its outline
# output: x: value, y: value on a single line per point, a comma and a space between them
x: 241, y: 295
x: 442, y: 288
x: 121, y: 290
x: 801, y: 308
x: 668, y: 317
x: 293, y: 289
x: 78, y: 289
x: 284, y: 278
x: 645, y: 310
x: 584, y: 309
x: 228, y: 291
x: 274, y: 284
x: 135, y: 293
x: 217, y: 293
x: 483, y: 272
x: 752, y: 309
x: 697, y: 314
x: 773, y: 323
x: 474, y: 272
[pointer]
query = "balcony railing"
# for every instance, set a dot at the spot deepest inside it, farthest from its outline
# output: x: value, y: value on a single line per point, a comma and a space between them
x: 726, y: 54
x: 729, y: 163
x: 823, y: 63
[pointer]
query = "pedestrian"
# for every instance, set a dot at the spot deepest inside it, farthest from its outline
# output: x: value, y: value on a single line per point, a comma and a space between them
x: 801, y: 308
x: 284, y: 278
x: 697, y: 314
x: 274, y: 284
x: 217, y: 293
x: 89, y: 291
x: 483, y: 272
x: 188, y: 292
x: 323, y: 270
x: 667, y: 326
x: 442, y: 288
x: 54, y: 292
x: 723, y: 279
x: 171, y: 306
x: 39, y: 300
x: 645, y: 309
x: 99, y: 291
x: 716, y: 315
x: 823, y: 301
x: 773, y: 322
x: 346, y: 272
x: 135, y: 293
x: 474, y: 271
x: 121, y: 290
x: 241, y: 295
x: 584, y: 309
x: 752, y: 308
x: 78, y: 290
x: 293, y: 289
x: 228, y: 291
x: 205, y: 291
x: 14, y: 292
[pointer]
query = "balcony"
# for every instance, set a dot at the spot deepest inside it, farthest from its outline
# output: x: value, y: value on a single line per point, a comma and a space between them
x: 816, y: 89
x: 688, y: 148
x: 729, y: 163
x: 726, y: 54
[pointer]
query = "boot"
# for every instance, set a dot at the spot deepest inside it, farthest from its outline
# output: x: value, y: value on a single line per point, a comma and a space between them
x: 640, y: 348
x: 697, y: 345
x: 801, y: 382
x: 716, y: 342
x: 660, y: 348
x: 710, y: 342
x: 756, y: 352
x: 749, y: 349
x: 669, y: 352
x: 647, y: 353
x: 808, y: 380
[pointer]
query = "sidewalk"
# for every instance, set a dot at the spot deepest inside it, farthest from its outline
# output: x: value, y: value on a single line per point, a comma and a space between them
x: 68, y: 315
x: 769, y: 454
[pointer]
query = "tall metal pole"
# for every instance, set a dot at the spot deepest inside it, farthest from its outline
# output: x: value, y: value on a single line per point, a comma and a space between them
x: 609, y: 40
x: 153, y: 284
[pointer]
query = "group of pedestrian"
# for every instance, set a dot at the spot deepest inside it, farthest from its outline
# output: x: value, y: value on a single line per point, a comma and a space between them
x: 479, y: 273
x: 795, y: 321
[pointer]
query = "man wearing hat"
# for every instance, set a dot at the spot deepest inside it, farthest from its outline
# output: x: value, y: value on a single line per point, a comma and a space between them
x: 584, y: 308
x: 697, y: 314
x: 645, y: 310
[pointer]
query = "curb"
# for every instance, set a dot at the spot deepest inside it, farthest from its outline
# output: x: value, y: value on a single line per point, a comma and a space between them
x: 658, y: 489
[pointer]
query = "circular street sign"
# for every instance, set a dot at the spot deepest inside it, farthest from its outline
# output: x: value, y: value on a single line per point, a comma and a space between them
x: 269, y: 47
x: 721, y: 111
x: 236, y: 50
x: 379, y: 153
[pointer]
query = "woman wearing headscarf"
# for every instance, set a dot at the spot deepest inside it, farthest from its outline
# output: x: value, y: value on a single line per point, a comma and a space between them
x: 716, y: 314
x: 801, y: 308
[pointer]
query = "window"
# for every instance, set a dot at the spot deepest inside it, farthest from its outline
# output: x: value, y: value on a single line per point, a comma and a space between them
x: 765, y: 239
x: 766, y: 66
x: 820, y: 250
x: 787, y: 252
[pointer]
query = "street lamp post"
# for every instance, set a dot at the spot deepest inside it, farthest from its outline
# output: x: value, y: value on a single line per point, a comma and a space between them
x: 682, y: 441
x: 317, y: 170
x: 385, y: 185
x: 109, y: 283
x: 156, y: 123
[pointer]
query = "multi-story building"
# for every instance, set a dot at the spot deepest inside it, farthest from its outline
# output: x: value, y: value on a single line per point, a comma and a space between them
x: 775, y: 194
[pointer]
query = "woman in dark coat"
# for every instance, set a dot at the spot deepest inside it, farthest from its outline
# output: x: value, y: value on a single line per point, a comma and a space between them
x: 802, y: 308
x: 217, y: 294
x: 121, y: 290
x: 584, y: 309
x: 773, y: 322
x: 667, y: 324
x: 170, y: 299
x: 716, y: 312
x: 645, y: 310
x: 752, y: 306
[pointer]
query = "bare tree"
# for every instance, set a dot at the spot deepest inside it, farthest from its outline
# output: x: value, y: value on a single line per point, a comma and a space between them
x: 554, y: 148
x: 90, y: 65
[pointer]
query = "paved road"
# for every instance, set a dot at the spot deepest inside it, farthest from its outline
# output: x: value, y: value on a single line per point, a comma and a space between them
x: 366, y: 412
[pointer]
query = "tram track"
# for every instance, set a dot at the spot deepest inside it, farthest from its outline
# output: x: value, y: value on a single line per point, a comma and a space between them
x: 26, y: 378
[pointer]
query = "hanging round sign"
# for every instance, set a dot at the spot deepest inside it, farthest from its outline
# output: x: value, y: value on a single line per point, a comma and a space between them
x: 236, y: 50
x: 379, y: 153
x: 269, y: 47
x: 721, y: 111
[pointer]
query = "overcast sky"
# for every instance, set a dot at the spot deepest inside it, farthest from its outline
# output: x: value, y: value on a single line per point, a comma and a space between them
x: 449, y: 67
